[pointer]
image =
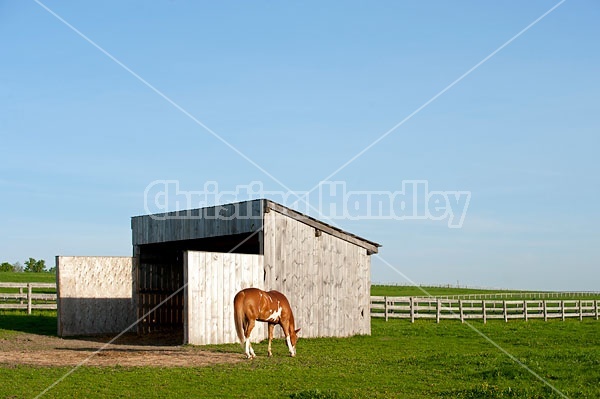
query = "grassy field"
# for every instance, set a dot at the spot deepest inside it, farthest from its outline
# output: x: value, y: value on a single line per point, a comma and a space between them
x: 405, y: 290
x: 399, y: 360
x: 401, y: 290
x: 13, y: 277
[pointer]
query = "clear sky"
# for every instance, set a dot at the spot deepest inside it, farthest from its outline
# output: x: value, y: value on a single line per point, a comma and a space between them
x: 285, y: 94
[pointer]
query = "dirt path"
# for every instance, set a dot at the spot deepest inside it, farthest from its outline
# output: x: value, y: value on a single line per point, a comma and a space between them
x: 40, y: 350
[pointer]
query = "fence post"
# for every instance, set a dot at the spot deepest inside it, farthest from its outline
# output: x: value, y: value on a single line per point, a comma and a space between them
x: 545, y: 310
x: 483, y: 311
x: 385, y: 307
x: 460, y: 307
x: 412, y: 309
x: 28, y: 298
x: 505, y: 311
x: 437, y: 315
x: 580, y: 310
x: 562, y: 309
x: 596, y: 308
x: 525, y: 309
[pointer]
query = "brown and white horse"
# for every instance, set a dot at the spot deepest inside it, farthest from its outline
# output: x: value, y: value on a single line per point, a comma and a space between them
x: 272, y: 307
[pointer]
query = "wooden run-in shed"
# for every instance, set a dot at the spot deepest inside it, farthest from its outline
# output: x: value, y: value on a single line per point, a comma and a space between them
x: 192, y: 263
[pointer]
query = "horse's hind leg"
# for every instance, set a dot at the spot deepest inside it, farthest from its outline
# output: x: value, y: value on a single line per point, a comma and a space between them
x: 249, y: 351
x: 271, y: 328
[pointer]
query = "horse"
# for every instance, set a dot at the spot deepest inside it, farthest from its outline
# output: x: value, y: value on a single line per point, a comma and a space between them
x: 271, y: 307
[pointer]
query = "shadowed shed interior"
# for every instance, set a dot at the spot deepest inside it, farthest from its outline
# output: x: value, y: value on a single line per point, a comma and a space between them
x: 160, y: 277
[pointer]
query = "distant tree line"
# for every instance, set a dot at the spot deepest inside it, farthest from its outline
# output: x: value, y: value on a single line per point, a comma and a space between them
x: 31, y: 266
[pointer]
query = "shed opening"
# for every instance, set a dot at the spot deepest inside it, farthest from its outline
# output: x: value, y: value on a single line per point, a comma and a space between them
x: 160, y: 277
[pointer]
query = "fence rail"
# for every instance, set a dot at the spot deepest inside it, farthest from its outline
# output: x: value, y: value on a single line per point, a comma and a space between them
x: 522, y: 295
x: 465, y: 309
x: 26, y: 298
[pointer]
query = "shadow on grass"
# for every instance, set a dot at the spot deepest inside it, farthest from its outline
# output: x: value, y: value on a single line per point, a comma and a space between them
x: 37, y: 323
x: 172, y: 338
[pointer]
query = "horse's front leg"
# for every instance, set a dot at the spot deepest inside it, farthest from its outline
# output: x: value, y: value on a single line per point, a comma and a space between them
x: 271, y: 328
x: 286, y: 331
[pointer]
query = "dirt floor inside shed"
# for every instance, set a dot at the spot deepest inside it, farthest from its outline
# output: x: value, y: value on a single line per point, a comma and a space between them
x: 127, y: 351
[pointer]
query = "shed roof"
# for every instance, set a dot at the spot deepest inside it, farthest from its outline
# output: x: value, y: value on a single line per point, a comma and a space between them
x: 370, y: 246
x: 226, y: 214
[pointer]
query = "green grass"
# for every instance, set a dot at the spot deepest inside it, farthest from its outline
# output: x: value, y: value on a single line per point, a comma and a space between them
x: 399, y: 360
x: 402, y: 290
x: 42, y: 322
x: 13, y: 277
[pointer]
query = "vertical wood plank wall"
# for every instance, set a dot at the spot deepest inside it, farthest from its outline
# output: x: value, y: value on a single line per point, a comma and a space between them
x: 157, y: 282
x: 326, y: 279
x: 213, y: 279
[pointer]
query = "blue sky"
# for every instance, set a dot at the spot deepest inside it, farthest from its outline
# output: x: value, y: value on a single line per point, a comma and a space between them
x: 300, y: 89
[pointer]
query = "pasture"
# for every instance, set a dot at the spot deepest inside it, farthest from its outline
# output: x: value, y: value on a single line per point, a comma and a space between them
x: 399, y: 359
x: 14, y: 277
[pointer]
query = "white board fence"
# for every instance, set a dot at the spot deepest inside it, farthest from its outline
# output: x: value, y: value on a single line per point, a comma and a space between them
x: 466, y: 309
x: 26, y: 298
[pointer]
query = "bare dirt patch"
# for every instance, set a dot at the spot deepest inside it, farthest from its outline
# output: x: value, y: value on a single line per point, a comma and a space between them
x: 127, y: 351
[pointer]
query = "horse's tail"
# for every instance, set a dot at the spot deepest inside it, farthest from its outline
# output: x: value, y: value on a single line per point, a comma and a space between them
x: 238, y: 315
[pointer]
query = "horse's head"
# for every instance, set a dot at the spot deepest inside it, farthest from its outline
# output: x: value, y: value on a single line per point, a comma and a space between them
x: 293, y: 340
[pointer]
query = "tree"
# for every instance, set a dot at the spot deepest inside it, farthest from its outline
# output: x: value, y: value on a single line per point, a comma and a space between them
x: 6, y: 267
x: 35, y: 266
x: 18, y: 267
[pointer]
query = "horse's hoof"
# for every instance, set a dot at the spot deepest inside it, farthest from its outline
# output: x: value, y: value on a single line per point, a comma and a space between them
x: 270, y: 354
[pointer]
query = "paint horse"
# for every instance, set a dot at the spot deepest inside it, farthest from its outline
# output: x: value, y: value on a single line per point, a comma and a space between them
x: 271, y: 307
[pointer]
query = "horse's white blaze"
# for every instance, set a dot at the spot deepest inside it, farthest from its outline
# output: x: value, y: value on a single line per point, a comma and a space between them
x: 275, y: 315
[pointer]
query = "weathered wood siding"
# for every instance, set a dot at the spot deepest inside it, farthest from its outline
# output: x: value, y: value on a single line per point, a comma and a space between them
x: 212, y: 279
x: 326, y: 279
x: 241, y: 217
x: 159, y: 297
x: 94, y: 294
